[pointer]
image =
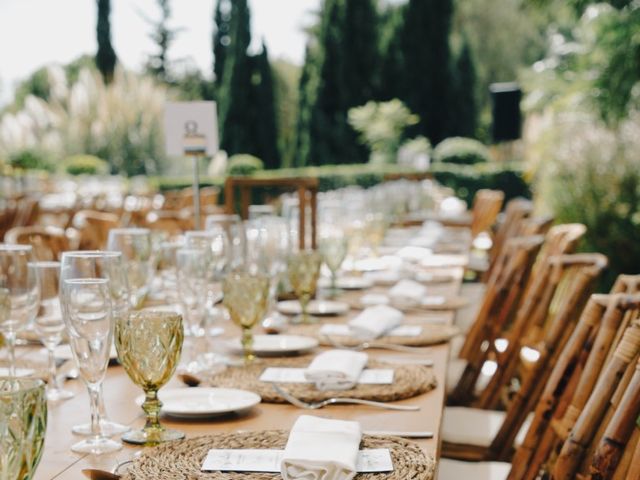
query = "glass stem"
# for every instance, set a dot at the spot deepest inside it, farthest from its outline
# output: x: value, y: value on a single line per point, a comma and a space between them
x: 247, y: 345
x: 304, y: 305
x: 334, y: 282
x: 10, y: 339
x: 95, y: 399
x: 151, y: 407
x: 53, y: 377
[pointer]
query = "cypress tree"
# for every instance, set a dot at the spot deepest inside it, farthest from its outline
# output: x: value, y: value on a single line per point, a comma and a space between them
x: 264, y: 118
x: 391, y: 71
x: 306, y: 97
x: 162, y: 35
x: 106, y: 55
x: 464, y: 103
x: 221, y: 39
x: 427, y: 65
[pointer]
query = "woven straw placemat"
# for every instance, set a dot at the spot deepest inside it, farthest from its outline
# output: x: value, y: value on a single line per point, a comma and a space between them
x: 431, y: 334
x: 183, y: 459
x: 408, y: 381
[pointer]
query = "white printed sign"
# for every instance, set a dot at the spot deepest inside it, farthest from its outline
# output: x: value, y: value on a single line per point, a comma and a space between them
x: 189, y: 124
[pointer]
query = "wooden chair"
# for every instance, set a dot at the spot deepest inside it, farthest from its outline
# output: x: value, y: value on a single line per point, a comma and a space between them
x: 48, y: 242
x: 486, y: 207
x: 94, y: 228
x: 174, y: 222
x: 306, y: 188
x: 578, y: 274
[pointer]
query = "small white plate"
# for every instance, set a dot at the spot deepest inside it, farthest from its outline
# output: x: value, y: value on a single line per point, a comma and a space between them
x: 271, y: 345
x: 63, y: 352
x: 316, y: 307
x: 204, y: 402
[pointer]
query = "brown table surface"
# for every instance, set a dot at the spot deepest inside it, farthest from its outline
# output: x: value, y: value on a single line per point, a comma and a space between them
x: 60, y: 462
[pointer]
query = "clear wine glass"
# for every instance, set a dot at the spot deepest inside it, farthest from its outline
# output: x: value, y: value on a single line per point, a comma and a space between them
x: 88, y: 315
x: 304, y: 269
x: 191, y: 265
x: 333, y: 247
x: 149, y: 344
x: 49, y: 323
x: 98, y: 264
x: 215, y: 244
x: 233, y: 227
x: 135, y: 244
x: 19, y: 295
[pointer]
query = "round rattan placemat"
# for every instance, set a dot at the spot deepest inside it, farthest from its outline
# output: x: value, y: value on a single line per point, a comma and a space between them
x: 183, y: 459
x: 431, y: 334
x: 408, y: 381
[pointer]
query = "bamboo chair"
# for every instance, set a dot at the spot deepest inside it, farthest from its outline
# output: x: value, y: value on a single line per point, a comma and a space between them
x: 499, y: 304
x: 94, y: 228
x: 608, y: 391
x: 577, y: 276
x: 306, y: 188
x: 566, y: 279
x: 48, y: 242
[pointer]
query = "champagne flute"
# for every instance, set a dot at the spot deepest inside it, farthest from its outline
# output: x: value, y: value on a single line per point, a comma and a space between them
x: 333, y: 246
x: 149, y: 343
x: 88, y: 315
x: 233, y: 227
x: 215, y: 244
x: 23, y: 423
x: 304, y: 269
x: 19, y: 295
x: 375, y: 230
x: 191, y: 264
x: 137, y: 255
x: 245, y: 296
x: 97, y: 264
x: 49, y: 323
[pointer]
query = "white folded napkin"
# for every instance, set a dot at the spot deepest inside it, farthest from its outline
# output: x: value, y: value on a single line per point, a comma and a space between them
x: 414, y: 253
x: 374, y: 322
x: 321, y: 449
x: 407, y: 293
x: 336, y: 369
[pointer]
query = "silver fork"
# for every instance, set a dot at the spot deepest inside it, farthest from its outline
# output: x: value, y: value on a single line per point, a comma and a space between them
x: 336, y: 400
x: 379, y: 345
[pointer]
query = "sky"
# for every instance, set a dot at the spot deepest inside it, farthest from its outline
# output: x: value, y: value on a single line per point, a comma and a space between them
x: 34, y: 33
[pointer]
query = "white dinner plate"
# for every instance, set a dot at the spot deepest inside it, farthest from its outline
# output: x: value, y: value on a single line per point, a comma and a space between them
x: 316, y: 307
x: 272, y: 345
x: 204, y: 402
x: 348, y: 283
x: 63, y: 352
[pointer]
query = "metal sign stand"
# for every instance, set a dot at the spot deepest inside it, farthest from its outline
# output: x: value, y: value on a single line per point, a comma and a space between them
x: 195, y: 145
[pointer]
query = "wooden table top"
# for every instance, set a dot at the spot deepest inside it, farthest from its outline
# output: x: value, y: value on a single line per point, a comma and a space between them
x: 61, y: 463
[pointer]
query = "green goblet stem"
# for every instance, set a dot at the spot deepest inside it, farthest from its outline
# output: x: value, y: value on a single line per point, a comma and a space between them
x: 304, y: 305
x: 151, y: 407
x: 247, y: 345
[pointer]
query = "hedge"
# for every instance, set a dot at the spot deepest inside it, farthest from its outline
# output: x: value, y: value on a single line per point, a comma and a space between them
x: 465, y: 180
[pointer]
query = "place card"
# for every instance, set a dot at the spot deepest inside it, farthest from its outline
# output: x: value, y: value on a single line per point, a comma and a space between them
x: 369, y: 376
x: 343, y: 330
x: 268, y: 460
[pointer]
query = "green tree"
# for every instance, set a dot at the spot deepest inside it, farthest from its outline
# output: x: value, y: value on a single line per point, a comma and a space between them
x: 264, y: 120
x: 221, y: 38
x: 464, y: 100
x: 391, y: 73
x: 163, y: 36
x: 286, y: 77
x: 106, y: 55
x: 307, y: 92
x: 428, y: 79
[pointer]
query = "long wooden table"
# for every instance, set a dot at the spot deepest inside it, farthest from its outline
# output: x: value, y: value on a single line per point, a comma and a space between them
x: 61, y: 463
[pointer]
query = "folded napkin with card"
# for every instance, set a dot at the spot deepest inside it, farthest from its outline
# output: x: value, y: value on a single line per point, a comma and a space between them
x: 407, y: 293
x: 374, y: 322
x: 321, y: 449
x: 336, y: 369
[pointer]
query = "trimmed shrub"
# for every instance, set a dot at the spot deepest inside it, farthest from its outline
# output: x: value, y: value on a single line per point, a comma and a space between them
x: 85, y: 165
x: 30, y: 160
x: 460, y: 150
x: 244, y: 164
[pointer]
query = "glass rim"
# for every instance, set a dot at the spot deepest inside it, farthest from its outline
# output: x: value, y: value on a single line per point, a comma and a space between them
x: 91, y: 254
x: 192, y: 250
x: 222, y: 216
x: 131, y: 231
x: 27, y: 384
x: 15, y: 247
x: 85, y: 281
x: 155, y: 312
x: 45, y: 264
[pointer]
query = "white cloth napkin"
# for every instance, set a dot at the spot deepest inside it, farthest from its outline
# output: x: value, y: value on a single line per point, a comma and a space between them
x: 336, y: 369
x: 321, y: 449
x: 407, y: 293
x: 374, y: 322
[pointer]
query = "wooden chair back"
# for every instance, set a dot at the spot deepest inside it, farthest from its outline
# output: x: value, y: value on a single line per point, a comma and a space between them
x: 306, y: 188
x: 582, y: 354
x: 499, y: 304
x: 94, y: 228
x: 486, y: 207
x: 48, y: 242
x: 174, y: 222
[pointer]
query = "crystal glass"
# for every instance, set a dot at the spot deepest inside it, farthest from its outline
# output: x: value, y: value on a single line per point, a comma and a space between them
x: 245, y: 296
x: 333, y: 247
x: 136, y: 247
x: 233, y: 227
x: 304, y: 269
x: 258, y: 211
x: 97, y: 264
x: 166, y: 268
x: 49, y: 324
x: 192, y: 287
x: 23, y: 424
x: 216, y: 246
x: 149, y: 344
x: 19, y: 295
x: 86, y: 305
x: 375, y: 228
